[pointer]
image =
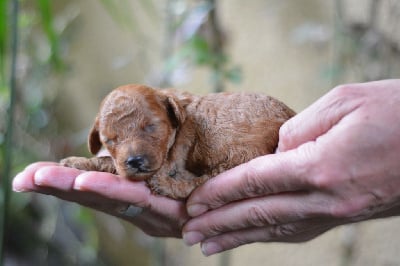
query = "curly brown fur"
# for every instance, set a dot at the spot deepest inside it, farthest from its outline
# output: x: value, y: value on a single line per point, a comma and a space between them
x: 175, y: 140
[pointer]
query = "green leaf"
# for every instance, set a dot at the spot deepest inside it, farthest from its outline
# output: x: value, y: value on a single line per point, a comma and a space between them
x: 200, y: 51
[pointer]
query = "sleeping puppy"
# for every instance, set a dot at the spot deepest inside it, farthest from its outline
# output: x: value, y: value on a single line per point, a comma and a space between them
x: 176, y: 141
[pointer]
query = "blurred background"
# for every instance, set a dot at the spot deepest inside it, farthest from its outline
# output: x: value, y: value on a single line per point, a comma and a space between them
x: 58, y: 59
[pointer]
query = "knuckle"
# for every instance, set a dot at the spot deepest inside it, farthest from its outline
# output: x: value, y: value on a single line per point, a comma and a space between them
x: 227, y: 241
x: 236, y: 240
x: 214, y: 228
x: 323, y: 182
x: 216, y: 197
x: 253, y: 183
x: 347, y: 93
x: 283, y: 231
x: 257, y: 216
x: 306, y: 159
x: 304, y: 166
x: 325, y: 177
x: 339, y: 211
x: 355, y: 210
x: 343, y: 90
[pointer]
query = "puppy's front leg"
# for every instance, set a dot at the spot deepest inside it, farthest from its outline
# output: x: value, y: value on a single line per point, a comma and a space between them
x: 101, y: 164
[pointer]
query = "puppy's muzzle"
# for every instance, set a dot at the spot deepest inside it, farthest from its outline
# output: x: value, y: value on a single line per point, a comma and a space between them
x: 137, y: 163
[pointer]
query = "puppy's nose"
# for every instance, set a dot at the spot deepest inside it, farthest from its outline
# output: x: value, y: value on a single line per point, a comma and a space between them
x: 135, y: 161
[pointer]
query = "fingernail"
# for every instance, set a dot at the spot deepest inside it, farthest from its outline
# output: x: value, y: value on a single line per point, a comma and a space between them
x: 196, y: 209
x: 17, y: 184
x: 39, y: 177
x: 210, y: 248
x: 191, y: 238
x: 78, y: 183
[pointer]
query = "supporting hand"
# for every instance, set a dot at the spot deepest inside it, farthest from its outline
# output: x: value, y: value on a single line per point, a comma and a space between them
x: 337, y: 163
x: 132, y: 201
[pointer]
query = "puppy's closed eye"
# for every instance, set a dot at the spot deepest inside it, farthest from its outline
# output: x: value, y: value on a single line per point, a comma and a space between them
x: 109, y: 141
x: 150, y: 128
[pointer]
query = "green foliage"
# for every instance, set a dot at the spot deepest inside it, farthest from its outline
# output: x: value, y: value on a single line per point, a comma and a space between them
x: 201, y: 44
x: 46, y: 16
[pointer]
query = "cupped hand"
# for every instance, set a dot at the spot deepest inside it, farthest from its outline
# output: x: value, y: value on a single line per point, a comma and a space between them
x: 108, y: 193
x: 337, y: 162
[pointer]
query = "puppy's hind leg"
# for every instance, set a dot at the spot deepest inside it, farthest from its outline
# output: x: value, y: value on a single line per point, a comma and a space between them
x: 176, y: 185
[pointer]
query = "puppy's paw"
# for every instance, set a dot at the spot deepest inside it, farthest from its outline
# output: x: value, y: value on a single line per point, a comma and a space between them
x: 173, y: 187
x: 80, y: 163
x: 101, y: 164
x: 162, y: 186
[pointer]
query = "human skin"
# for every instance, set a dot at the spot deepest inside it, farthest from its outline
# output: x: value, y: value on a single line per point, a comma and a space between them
x: 337, y: 162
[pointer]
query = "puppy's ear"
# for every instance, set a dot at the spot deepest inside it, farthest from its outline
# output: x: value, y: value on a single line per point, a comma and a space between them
x: 94, y: 142
x: 175, y: 111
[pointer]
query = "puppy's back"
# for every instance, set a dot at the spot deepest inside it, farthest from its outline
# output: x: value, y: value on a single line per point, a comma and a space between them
x: 233, y: 128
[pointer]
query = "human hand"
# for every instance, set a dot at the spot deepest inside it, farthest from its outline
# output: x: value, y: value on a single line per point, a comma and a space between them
x: 337, y: 163
x: 108, y: 193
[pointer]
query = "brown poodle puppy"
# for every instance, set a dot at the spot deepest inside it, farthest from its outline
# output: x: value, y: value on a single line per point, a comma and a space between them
x: 176, y: 141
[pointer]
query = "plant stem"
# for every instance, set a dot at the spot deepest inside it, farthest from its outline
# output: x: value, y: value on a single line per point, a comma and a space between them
x: 167, y: 46
x: 3, y: 41
x: 217, y: 48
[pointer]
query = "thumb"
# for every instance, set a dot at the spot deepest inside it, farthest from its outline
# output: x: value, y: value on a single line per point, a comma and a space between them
x: 319, y: 117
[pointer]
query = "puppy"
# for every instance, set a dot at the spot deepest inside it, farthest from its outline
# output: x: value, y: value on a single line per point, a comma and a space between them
x: 176, y: 141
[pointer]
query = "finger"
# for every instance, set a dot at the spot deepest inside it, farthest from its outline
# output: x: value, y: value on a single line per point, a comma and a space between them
x: 55, y: 180
x: 98, y: 188
x: 132, y: 192
x: 291, y: 233
x: 52, y: 179
x: 321, y: 116
x: 56, y: 177
x: 270, y: 174
x: 113, y: 187
x: 24, y: 181
x: 258, y: 212
x: 108, y: 185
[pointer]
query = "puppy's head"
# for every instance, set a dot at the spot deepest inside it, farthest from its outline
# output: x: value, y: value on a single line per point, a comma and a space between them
x: 137, y: 125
